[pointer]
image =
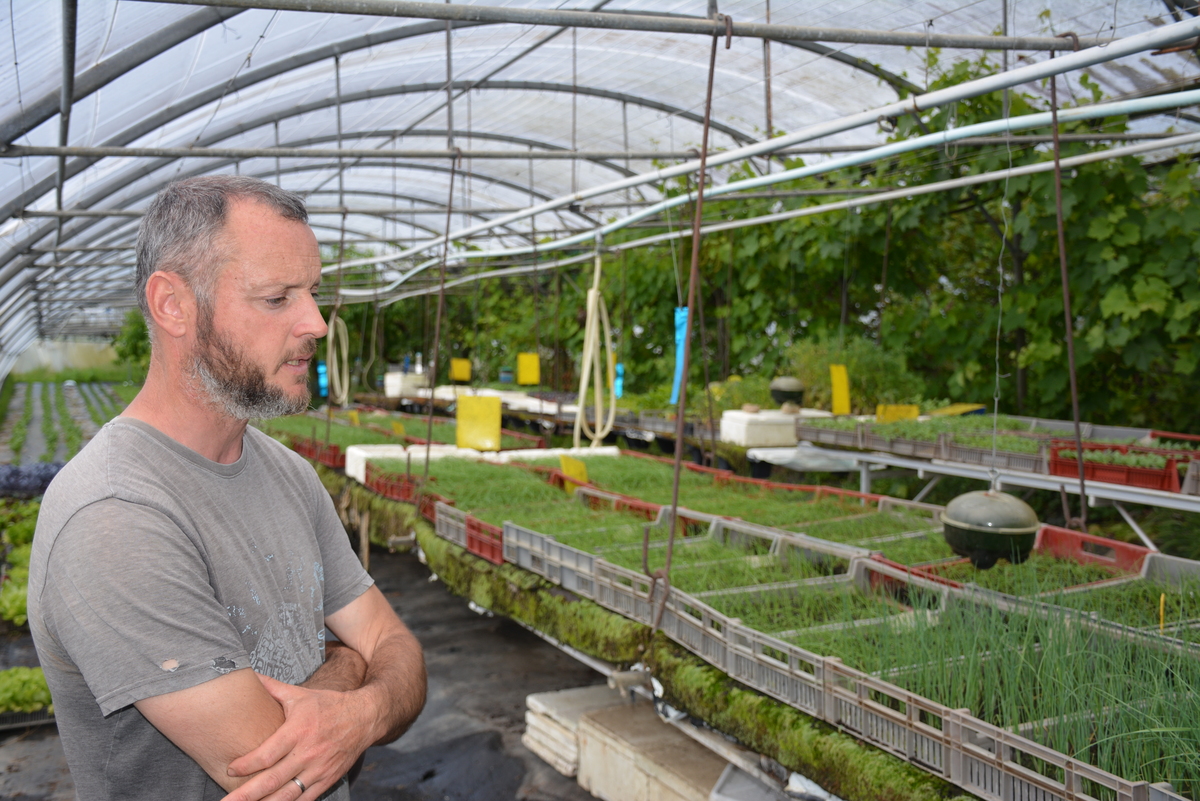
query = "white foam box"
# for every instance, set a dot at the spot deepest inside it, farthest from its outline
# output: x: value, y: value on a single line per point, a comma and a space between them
x: 769, y: 428
x: 627, y: 754
x: 552, y: 720
x: 402, y: 385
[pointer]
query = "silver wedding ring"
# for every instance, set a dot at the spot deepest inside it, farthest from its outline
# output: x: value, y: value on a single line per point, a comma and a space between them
x: 300, y: 784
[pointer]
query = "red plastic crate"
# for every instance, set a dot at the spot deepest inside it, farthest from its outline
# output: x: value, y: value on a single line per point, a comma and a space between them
x: 1065, y: 543
x: 485, y: 540
x: 328, y: 455
x: 1159, y: 478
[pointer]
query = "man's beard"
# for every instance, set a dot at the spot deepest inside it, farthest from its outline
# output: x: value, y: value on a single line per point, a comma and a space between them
x: 237, y: 386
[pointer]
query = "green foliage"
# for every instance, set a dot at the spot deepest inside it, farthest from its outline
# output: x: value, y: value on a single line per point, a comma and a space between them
x: 1152, y: 461
x: 24, y: 689
x: 21, y: 428
x: 80, y: 375
x: 49, y: 429
x: 1130, y: 227
x: 6, y: 395
x: 876, y: 375
x: 72, y: 433
x: 19, y: 519
x: 132, y: 342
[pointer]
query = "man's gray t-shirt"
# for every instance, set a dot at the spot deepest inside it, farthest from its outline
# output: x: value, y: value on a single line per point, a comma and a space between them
x: 155, y: 570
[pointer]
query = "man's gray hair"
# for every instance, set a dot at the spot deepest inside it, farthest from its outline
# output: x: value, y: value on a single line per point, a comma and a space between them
x: 180, y: 230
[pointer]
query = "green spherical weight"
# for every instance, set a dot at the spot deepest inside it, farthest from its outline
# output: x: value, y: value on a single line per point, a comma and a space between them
x: 986, y: 526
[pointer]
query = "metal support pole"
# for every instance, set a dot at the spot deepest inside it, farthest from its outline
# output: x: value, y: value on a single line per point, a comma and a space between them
x: 14, y: 151
x: 66, y: 100
x: 645, y: 22
x: 767, y: 81
x: 449, y: 88
x: 933, y: 482
x: 1149, y: 543
x: 864, y: 478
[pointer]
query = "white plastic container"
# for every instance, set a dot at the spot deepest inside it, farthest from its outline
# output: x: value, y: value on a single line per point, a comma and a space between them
x: 765, y: 429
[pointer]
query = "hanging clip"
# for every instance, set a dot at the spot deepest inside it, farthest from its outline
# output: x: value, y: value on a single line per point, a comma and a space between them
x: 728, y: 30
x: 1074, y: 37
x: 457, y: 156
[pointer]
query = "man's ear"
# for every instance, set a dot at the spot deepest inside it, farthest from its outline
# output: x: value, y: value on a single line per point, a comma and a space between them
x: 172, y: 304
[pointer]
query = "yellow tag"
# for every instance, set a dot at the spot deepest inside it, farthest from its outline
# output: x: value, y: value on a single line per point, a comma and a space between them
x: 891, y: 412
x: 398, y: 428
x: 353, y: 415
x: 573, y: 468
x: 478, y: 423
x: 460, y: 369
x: 529, y: 370
x: 841, y: 388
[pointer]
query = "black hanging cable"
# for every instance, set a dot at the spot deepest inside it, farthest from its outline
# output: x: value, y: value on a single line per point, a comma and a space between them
x: 665, y: 574
x: 1066, y: 291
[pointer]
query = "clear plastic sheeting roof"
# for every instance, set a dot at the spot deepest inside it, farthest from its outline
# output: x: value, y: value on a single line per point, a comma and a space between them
x: 164, y: 75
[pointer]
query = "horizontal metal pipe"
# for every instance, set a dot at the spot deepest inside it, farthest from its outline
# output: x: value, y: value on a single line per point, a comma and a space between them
x: 647, y: 22
x: 1157, y: 38
x: 891, y: 149
x: 900, y: 194
x: 25, y: 151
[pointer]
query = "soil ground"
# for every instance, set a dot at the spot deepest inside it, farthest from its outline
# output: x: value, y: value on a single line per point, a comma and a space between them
x: 464, y: 747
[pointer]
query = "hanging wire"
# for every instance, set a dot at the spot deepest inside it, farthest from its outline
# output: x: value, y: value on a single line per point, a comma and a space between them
x: 1066, y: 290
x: 993, y: 472
x: 437, y: 326
x: 665, y: 574
x: 229, y: 85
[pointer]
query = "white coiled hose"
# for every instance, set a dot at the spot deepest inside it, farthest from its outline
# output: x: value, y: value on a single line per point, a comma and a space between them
x: 593, y: 365
x: 338, y: 364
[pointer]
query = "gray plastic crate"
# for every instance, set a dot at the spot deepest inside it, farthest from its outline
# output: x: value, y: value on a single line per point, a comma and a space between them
x: 570, y: 568
x: 451, y: 524
x: 1004, y: 460
x: 828, y: 436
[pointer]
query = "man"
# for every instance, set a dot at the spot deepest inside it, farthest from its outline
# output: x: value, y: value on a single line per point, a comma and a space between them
x: 186, y: 567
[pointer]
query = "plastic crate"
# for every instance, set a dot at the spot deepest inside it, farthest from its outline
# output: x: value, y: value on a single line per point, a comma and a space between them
x: 390, y: 485
x: 829, y: 436
x: 450, y: 523
x: 23, y: 720
x: 570, y: 568
x: 1003, y: 460
x: 1076, y: 546
x: 328, y: 455
x: 485, y: 540
x: 1158, y: 478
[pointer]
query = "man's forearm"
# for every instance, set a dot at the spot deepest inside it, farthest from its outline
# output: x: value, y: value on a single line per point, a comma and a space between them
x: 344, y: 670
x: 395, y: 685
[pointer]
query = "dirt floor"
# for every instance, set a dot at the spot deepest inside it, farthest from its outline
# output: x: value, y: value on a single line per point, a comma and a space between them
x: 464, y: 747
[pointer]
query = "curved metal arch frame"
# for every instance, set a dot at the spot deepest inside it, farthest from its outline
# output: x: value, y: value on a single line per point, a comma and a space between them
x: 77, y: 166
x: 15, y: 254
x: 180, y: 31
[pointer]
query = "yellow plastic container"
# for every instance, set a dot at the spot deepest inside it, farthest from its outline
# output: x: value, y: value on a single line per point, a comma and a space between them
x: 892, y: 412
x: 398, y: 428
x: 460, y: 369
x: 478, y: 423
x: 529, y: 369
x: 841, y: 388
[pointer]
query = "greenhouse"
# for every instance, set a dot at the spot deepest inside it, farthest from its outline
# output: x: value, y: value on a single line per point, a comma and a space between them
x: 727, y: 400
